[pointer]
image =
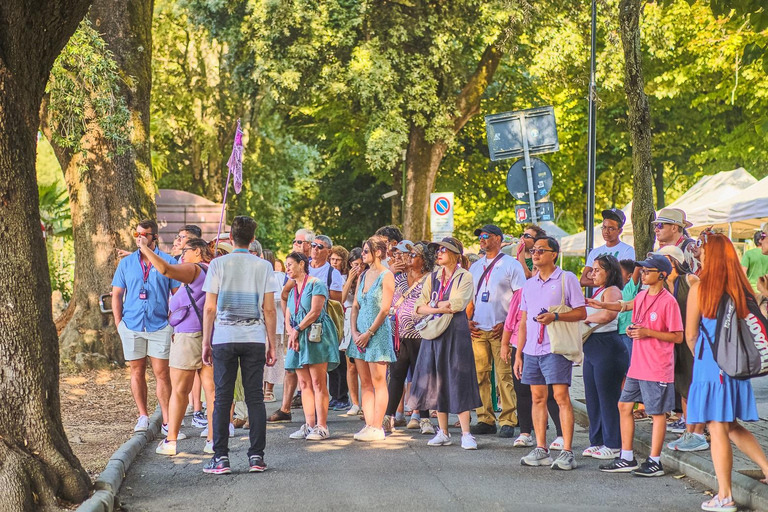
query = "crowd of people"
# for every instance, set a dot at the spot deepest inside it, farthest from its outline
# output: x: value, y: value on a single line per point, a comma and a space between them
x: 397, y: 328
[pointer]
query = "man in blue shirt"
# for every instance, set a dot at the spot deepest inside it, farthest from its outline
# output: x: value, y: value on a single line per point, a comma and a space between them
x: 140, y: 307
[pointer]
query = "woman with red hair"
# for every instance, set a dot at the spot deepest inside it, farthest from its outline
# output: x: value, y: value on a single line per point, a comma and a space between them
x: 714, y: 397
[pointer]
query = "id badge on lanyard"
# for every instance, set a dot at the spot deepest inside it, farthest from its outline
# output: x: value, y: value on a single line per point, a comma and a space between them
x: 145, y: 273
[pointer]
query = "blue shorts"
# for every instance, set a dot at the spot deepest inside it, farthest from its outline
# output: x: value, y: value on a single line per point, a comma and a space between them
x: 546, y: 369
x: 658, y: 397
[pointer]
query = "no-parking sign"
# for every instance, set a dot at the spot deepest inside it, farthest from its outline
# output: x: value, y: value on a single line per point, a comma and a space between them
x: 441, y: 214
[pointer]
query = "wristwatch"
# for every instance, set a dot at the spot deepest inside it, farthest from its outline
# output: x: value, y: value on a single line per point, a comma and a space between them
x: 557, y: 317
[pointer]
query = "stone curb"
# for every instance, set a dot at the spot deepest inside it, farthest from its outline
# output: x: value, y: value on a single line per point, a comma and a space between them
x: 109, y: 481
x: 747, y: 491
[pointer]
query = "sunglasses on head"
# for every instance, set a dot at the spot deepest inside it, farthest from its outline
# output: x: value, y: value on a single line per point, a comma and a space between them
x: 317, y: 246
x: 136, y: 234
x: 540, y: 251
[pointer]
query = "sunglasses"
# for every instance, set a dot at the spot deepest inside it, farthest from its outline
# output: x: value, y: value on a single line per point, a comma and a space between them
x: 366, y: 251
x: 317, y: 246
x: 660, y: 225
x: 527, y: 235
x: 136, y: 234
x: 443, y: 250
x: 540, y: 251
x: 704, y: 236
x: 414, y: 254
x: 300, y: 242
x: 484, y: 236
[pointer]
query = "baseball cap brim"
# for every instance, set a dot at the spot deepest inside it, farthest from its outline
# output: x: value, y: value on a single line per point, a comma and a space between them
x: 435, y: 245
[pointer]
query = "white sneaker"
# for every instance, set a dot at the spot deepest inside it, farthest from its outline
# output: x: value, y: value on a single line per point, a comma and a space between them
x: 142, y: 425
x: 204, y: 433
x: 166, y: 447
x: 440, y: 439
x: 413, y: 424
x: 590, y: 451
x: 352, y: 411
x: 318, y: 434
x: 524, y: 441
x: 190, y: 410
x: 302, y: 433
x: 468, y: 441
x: 361, y: 432
x: 208, y: 447
x: 605, y: 453
x: 231, y: 430
x: 557, y: 444
x: 426, y: 427
x: 372, y: 434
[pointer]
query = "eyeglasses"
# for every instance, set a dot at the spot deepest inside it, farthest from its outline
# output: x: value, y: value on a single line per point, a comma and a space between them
x: 136, y: 234
x: 704, y: 236
x: 610, y: 229
x: 317, y: 246
x: 540, y: 251
x: 300, y: 242
x: 180, y: 237
x: 484, y: 236
x: 526, y: 235
x: 186, y: 249
x: 414, y: 254
x: 647, y: 271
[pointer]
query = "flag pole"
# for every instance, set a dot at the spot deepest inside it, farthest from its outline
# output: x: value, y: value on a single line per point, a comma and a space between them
x: 223, y: 209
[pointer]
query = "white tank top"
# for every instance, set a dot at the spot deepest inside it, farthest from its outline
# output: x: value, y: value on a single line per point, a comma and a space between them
x: 611, y: 326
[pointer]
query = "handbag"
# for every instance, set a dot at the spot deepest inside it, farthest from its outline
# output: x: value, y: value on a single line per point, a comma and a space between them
x: 177, y: 316
x: 393, y: 312
x: 586, y: 331
x: 565, y: 338
x: 432, y: 326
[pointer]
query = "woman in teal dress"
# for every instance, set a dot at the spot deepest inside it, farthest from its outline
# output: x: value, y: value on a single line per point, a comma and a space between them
x: 372, y: 347
x: 313, y: 345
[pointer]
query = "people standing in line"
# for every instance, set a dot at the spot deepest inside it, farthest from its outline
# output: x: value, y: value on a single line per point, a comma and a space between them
x: 613, y: 225
x: 356, y: 268
x: 755, y: 261
x: 656, y: 326
x: 715, y: 398
x: 444, y: 378
x: 678, y: 284
x: 371, y: 346
x: 186, y: 352
x: 313, y: 345
x: 530, y: 233
x: 240, y: 303
x: 337, y: 378
x: 669, y: 227
x: 140, y: 309
x: 302, y: 242
x: 408, y: 287
x: 606, y: 361
x: 276, y: 373
x: 495, y: 278
x: 551, y: 286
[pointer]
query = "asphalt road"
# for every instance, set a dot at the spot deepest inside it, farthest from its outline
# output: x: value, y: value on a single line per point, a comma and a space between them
x: 400, y: 473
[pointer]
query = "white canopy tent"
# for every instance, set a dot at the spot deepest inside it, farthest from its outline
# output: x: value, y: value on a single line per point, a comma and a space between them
x: 740, y: 215
x: 720, y: 187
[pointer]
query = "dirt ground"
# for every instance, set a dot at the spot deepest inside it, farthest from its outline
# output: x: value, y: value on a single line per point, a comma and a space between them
x: 99, y: 413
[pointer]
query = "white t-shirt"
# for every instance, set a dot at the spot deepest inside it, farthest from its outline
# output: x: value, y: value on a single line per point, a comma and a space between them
x: 279, y: 280
x: 241, y: 280
x: 620, y: 251
x: 501, y: 282
x: 321, y: 273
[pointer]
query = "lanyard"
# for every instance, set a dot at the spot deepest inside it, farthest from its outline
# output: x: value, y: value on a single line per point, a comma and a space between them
x: 145, y: 269
x: 490, y: 269
x: 444, y: 284
x: 641, y: 318
x: 297, y: 295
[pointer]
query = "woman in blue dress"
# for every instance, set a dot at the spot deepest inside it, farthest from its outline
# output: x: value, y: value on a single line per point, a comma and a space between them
x: 372, y: 347
x: 313, y: 345
x: 714, y: 397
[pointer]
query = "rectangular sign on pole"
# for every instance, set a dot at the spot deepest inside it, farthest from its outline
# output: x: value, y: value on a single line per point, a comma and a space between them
x: 545, y: 211
x: 441, y: 215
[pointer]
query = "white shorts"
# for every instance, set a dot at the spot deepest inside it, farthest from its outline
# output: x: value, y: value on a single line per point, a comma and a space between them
x: 140, y: 344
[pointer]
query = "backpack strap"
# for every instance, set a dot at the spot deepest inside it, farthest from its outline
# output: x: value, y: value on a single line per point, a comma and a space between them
x: 329, y: 278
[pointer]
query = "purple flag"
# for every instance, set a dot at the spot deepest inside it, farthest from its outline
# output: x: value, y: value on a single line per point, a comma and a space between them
x: 235, y: 162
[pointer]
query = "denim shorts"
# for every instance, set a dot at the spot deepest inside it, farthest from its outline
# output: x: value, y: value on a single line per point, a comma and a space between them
x: 658, y: 397
x: 546, y: 369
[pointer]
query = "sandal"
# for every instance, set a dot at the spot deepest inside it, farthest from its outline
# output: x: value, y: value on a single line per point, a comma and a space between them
x: 269, y: 397
x: 718, y: 505
x: 640, y: 415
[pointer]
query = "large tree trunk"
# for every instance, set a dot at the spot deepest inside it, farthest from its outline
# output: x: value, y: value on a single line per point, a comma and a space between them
x: 424, y: 157
x: 639, y: 120
x: 109, y: 192
x: 37, y: 465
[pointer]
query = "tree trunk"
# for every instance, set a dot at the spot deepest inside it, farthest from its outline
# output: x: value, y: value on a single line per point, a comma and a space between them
x: 639, y: 121
x: 37, y: 465
x: 658, y: 181
x: 397, y: 201
x: 109, y: 192
x: 424, y: 157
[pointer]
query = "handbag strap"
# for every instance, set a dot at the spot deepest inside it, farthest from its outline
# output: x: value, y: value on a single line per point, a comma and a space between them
x: 562, y: 286
x: 407, y: 293
x: 192, y: 299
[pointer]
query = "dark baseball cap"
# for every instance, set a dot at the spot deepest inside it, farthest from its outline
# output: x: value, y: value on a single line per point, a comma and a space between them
x: 615, y: 214
x: 490, y: 229
x: 450, y: 243
x: 656, y: 261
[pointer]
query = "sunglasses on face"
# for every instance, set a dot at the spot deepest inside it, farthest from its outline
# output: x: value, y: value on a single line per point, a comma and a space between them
x: 540, y: 251
x: 136, y: 234
x: 443, y: 250
x: 484, y: 236
x: 527, y: 235
x: 366, y: 251
x: 414, y: 254
x: 317, y: 246
x: 300, y: 242
x: 660, y: 225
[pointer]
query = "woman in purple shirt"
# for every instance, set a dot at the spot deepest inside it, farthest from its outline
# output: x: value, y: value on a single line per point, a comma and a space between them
x: 186, y: 307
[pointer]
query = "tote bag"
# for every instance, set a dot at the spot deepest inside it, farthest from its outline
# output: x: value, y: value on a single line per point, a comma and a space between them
x: 565, y: 337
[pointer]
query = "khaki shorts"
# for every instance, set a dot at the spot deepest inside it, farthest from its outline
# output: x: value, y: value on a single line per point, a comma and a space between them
x: 187, y: 351
x: 140, y: 344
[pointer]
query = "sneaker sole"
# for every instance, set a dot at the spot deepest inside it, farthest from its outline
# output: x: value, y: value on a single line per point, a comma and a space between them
x: 541, y: 462
x: 619, y: 470
x: 218, y: 471
x: 649, y: 475
x: 519, y: 445
x: 441, y: 444
x: 469, y: 447
x: 697, y: 449
x: 602, y: 457
x: 257, y: 469
x: 558, y: 467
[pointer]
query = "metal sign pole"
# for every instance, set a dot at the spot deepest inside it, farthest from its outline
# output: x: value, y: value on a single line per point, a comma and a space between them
x: 528, y: 170
x: 592, y: 144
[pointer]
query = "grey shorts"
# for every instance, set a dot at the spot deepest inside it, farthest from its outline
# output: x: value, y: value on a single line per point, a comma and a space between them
x: 140, y: 344
x: 658, y: 397
x: 546, y: 369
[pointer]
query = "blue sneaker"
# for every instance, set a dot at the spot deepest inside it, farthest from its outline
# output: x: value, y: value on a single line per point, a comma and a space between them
x: 689, y: 442
x: 332, y: 404
x: 217, y: 466
x: 342, y: 405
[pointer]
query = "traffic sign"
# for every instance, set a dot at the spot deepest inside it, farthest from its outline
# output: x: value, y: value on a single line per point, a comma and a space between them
x: 511, y: 134
x: 441, y: 213
x: 544, y: 211
x: 517, y: 180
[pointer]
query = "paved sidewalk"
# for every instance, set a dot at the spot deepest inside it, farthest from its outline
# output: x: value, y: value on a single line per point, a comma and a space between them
x: 747, y: 489
x: 400, y: 473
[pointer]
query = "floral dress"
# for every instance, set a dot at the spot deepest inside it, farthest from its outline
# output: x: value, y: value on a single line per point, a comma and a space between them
x: 380, y: 347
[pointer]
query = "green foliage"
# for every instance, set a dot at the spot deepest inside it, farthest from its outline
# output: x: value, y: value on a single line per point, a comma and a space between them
x: 84, y: 88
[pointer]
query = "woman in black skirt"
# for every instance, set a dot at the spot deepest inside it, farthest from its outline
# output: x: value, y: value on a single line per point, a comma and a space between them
x: 445, y: 378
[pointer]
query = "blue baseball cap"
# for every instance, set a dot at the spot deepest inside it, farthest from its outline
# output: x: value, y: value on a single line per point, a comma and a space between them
x: 656, y: 261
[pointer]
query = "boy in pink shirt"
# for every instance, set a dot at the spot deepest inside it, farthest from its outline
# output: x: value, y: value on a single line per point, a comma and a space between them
x: 656, y: 326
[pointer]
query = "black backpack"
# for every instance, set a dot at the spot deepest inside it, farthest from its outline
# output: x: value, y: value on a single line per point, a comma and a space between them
x: 740, y: 346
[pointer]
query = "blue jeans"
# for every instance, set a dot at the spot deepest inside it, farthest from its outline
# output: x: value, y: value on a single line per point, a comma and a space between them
x: 250, y: 357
